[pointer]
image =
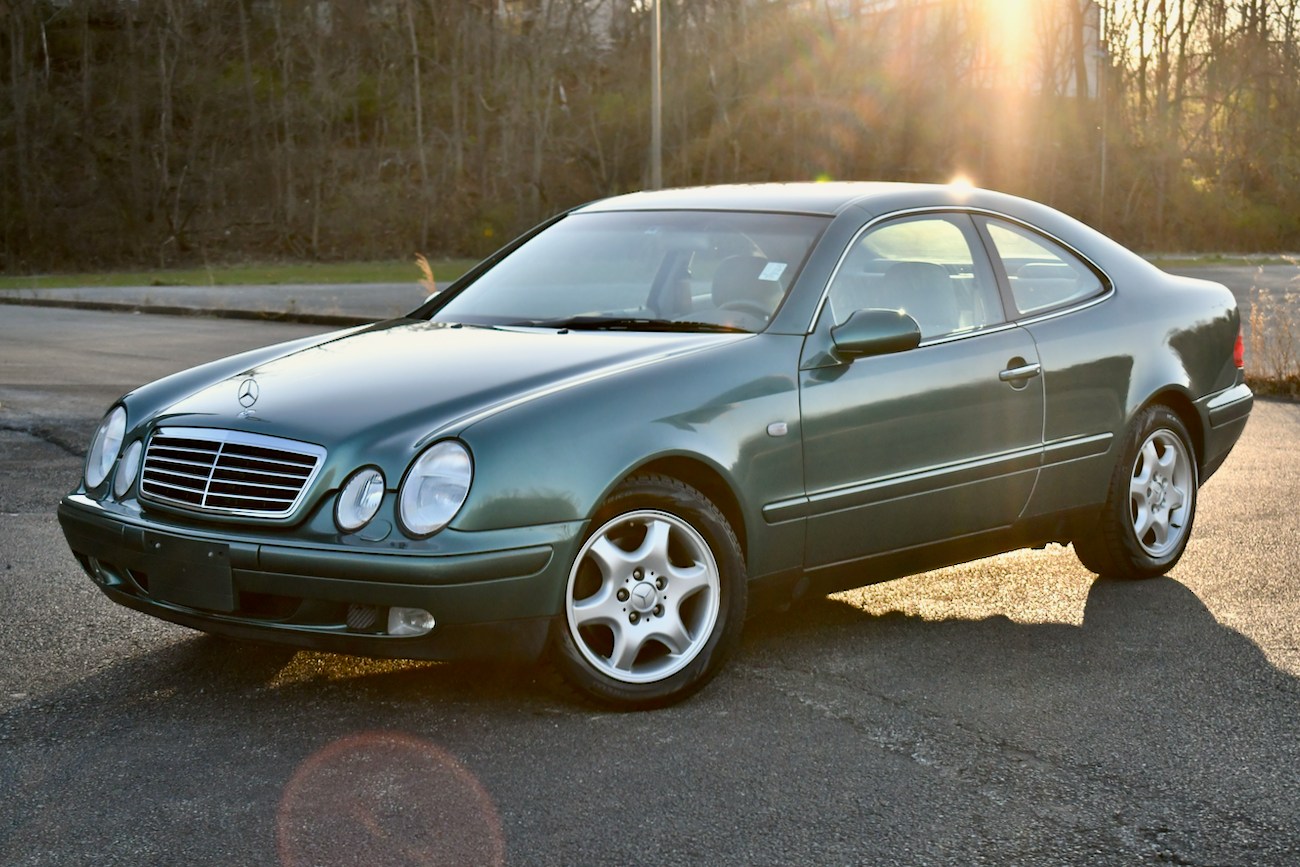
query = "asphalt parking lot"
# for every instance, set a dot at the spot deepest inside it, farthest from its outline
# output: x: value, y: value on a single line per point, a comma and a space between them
x: 1010, y: 711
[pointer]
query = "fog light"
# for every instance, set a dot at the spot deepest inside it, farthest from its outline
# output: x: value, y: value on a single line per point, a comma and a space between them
x: 409, y: 621
x: 96, y: 572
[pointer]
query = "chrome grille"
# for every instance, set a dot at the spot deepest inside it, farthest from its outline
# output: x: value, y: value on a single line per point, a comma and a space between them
x: 228, y: 472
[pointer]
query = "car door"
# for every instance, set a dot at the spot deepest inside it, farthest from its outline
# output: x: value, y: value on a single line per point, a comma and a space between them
x: 935, y: 442
x: 1056, y: 295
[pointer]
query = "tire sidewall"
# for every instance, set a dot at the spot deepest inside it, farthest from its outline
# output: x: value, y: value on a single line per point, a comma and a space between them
x: 686, y: 503
x: 1149, y: 422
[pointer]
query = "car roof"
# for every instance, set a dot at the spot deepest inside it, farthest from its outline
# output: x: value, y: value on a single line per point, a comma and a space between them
x: 828, y: 198
x: 869, y: 199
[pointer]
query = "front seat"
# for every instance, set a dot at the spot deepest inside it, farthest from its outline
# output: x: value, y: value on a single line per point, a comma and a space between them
x: 924, y: 291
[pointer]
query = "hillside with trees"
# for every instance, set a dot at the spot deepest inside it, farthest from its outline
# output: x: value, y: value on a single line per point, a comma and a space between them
x: 162, y: 132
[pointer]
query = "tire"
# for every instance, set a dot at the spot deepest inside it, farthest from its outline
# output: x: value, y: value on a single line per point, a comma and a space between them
x: 656, y: 597
x: 1151, y: 503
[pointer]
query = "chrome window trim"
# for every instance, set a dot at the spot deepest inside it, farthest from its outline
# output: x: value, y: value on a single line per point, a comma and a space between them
x: 965, y: 335
x: 223, y: 436
x: 1038, y: 230
x: 1108, y: 283
x: 1072, y: 308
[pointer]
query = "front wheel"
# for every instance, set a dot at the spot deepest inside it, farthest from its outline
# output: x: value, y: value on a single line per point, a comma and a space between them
x: 655, y: 599
x: 1147, y: 519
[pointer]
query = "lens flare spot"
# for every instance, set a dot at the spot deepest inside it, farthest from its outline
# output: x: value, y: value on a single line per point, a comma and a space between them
x: 961, y: 183
x: 387, y: 798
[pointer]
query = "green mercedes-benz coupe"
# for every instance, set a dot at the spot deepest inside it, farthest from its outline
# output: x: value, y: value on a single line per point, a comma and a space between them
x: 608, y: 439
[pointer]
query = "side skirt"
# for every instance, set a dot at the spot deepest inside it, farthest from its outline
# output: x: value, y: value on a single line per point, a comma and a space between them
x: 781, y: 588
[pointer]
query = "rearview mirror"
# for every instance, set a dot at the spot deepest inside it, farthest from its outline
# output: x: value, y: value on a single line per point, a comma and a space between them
x: 876, y: 332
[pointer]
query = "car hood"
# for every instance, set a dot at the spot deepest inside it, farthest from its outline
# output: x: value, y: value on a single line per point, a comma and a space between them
x: 406, y: 382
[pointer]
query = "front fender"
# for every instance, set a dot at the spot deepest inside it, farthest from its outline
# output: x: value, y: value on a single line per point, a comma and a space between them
x: 557, y: 458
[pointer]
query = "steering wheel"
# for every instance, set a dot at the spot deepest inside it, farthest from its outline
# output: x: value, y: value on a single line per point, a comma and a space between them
x: 745, y: 305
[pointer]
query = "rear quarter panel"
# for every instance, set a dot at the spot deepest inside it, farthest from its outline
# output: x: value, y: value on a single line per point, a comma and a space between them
x: 1156, y: 338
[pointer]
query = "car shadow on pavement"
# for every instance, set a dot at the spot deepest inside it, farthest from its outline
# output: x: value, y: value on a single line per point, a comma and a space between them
x: 263, y: 667
x: 1140, y: 641
x: 1150, y: 729
x: 1143, y: 648
x: 1151, y: 715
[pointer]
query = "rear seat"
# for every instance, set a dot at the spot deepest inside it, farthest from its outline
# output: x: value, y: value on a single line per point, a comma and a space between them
x: 1039, y: 285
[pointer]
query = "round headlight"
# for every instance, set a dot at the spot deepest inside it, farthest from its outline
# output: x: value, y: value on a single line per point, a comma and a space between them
x: 126, y: 468
x: 105, y: 446
x: 359, y: 500
x: 435, y: 488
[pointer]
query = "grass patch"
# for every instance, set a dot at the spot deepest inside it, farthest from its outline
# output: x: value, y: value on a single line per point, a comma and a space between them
x: 1273, y: 364
x: 405, y: 271
x: 255, y: 274
x: 1166, y: 261
x: 1278, y: 389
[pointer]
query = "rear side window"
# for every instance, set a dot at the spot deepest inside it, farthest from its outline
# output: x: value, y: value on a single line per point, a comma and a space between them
x: 1042, y: 274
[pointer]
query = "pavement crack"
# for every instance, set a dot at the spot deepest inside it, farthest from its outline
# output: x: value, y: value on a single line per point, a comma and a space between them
x: 51, y: 436
x: 994, y: 767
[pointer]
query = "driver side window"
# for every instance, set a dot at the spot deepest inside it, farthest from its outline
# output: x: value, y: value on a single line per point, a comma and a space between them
x: 923, y: 266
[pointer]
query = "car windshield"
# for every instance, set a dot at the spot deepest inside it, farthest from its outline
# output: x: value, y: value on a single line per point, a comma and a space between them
x: 643, y: 271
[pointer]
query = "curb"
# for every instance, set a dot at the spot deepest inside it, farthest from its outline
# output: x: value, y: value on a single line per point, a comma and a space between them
x: 217, y: 313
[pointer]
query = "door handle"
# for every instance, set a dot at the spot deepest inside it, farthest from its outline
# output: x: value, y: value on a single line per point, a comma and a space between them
x: 1025, y: 371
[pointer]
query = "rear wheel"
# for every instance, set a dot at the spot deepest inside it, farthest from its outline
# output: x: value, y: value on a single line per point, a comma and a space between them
x: 655, y: 599
x: 1147, y: 519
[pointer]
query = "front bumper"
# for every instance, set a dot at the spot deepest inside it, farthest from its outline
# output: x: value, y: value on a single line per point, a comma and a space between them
x: 495, y: 602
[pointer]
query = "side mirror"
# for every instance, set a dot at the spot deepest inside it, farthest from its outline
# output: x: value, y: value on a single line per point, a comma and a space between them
x: 876, y: 332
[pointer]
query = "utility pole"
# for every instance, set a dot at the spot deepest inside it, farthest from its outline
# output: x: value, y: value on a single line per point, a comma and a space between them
x: 656, y: 100
x: 1103, y: 74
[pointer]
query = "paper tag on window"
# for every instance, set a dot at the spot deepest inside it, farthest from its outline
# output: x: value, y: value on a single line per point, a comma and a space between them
x: 772, y: 271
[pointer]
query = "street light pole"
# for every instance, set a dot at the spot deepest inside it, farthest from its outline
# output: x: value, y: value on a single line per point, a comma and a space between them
x: 656, y: 101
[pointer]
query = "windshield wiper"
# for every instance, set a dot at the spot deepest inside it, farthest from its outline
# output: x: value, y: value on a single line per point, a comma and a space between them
x: 691, y: 325
x: 630, y: 323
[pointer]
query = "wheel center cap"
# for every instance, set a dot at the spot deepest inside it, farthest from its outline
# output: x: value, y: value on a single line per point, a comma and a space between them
x: 643, y: 596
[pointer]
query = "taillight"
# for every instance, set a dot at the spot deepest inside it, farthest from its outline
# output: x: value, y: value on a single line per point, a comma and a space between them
x: 1239, y: 351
